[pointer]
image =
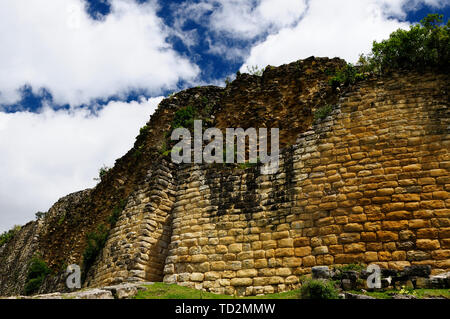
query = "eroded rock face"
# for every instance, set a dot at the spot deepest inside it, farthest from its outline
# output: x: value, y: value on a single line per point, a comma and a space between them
x: 369, y: 183
x: 15, y: 257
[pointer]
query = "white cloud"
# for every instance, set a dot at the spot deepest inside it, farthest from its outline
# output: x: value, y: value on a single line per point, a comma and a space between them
x: 245, y: 20
x: 56, y: 45
x: 398, y: 8
x: 241, y: 19
x: 48, y: 155
x: 332, y: 28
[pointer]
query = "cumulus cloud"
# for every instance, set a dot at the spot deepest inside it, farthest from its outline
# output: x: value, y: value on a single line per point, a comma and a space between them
x: 241, y: 19
x: 244, y: 19
x: 50, y: 154
x: 335, y: 29
x: 56, y: 45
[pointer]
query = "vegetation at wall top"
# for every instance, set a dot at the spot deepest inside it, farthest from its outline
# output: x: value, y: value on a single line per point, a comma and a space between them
x: 102, y: 173
x: 8, y: 235
x: 425, y: 45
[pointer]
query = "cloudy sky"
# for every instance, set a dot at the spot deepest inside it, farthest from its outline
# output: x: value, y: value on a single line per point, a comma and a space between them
x: 80, y: 77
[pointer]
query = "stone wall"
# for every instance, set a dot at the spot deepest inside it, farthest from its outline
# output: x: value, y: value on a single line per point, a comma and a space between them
x: 16, y: 255
x: 137, y: 246
x: 368, y: 184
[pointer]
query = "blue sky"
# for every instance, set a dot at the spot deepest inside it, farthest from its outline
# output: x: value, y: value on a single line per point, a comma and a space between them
x: 79, y: 77
x: 214, y: 68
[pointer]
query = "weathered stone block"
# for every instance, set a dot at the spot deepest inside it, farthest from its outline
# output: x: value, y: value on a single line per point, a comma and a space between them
x: 247, y: 273
x: 309, y: 261
x: 387, y: 236
x: 427, y: 244
x: 241, y: 282
x: 355, y: 248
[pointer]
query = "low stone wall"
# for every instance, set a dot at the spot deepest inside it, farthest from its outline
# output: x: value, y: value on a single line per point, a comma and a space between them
x: 368, y: 184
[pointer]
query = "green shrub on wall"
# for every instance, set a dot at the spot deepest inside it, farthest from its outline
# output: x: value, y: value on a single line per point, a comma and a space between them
x: 322, y: 112
x: 96, y: 240
x: 346, y: 76
x: 424, y: 45
x: 184, y: 117
x: 114, y: 217
x: 8, y: 235
x: 37, y: 272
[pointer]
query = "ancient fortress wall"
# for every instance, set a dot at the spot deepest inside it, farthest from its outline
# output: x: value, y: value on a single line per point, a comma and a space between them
x: 138, y: 246
x: 369, y: 184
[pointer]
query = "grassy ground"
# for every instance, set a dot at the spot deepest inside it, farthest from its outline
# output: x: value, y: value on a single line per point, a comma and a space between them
x: 164, y: 291
x: 419, y: 293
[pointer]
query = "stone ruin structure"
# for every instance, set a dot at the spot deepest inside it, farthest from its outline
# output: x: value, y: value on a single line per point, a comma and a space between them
x: 369, y: 183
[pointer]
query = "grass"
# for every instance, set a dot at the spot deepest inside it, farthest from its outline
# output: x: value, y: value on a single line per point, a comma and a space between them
x: 433, y: 293
x: 419, y: 293
x: 161, y: 290
x: 165, y: 291
x: 322, y: 112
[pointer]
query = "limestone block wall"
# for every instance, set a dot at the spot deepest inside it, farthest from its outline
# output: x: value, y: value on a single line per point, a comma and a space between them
x: 369, y: 184
x: 138, y: 245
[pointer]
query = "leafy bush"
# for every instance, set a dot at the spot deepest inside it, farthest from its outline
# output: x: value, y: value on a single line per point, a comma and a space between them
x: 114, y: 217
x: 346, y: 76
x: 40, y: 215
x: 184, y: 117
x: 6, y: 236
x: 255, y: 70
x: 323, y: 112
x: 318, y: 289
x: 424, y: 45
x: 96, y: 240
x: 143, y: 130
x: 407, y: 291
x: 37, y: 272
x: 102, y: 173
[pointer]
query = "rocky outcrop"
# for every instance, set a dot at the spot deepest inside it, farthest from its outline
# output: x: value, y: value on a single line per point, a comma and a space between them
x: 15, y: 258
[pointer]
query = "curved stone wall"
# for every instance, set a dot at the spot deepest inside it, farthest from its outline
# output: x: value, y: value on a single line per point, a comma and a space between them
x: 368, y: 184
